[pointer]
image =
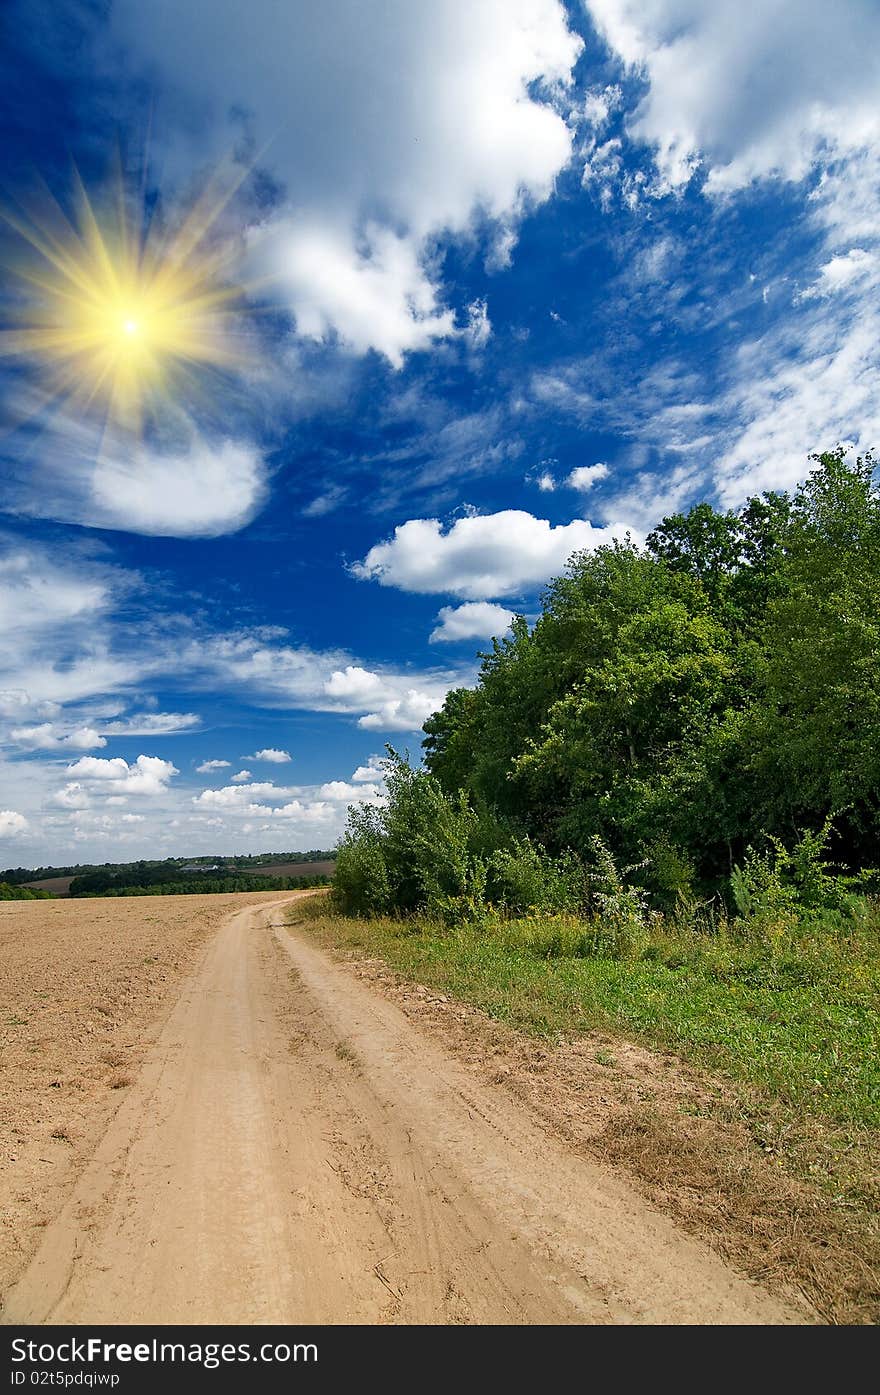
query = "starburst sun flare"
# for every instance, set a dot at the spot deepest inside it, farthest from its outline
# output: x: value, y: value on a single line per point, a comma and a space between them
x: 116, y: 313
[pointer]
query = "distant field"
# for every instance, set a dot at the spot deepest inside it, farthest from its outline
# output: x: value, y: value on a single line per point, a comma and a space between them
x: 293, y: 869
x: 61, y: 885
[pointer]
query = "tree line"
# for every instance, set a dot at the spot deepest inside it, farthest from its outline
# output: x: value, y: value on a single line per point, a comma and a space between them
x: 703, y: 710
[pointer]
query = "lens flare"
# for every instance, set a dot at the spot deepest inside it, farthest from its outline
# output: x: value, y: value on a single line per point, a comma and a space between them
x: 116, y: 312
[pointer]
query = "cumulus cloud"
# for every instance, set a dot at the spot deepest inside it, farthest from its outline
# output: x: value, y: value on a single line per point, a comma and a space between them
x: 394, y: 706
x: 74, y: 795
x: 272, y: 755
x: 354, y: 684
x: 241, y: 778
x: 481, y: 556
x: 205, y: 491
x: 207, y: 766
x: 473, y: 620
x: 420, y: 120
x: 585, y: 476
x: 345, y: 792
x: 147, y: 775
x: 406, y: 713
x: 371, y: 293
x: 239, y: 796
x: 370, y: 774
x: 748, y: 94
x: 12, y: 824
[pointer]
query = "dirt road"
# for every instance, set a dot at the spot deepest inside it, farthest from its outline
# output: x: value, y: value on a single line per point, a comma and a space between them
x: 294, y: 1150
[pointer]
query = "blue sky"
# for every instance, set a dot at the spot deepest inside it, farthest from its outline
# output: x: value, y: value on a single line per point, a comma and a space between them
x: 519, y: 277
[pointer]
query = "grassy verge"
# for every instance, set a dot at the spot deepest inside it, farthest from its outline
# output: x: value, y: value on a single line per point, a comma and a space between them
x: 801, y: 1022
x: 782, y: 1159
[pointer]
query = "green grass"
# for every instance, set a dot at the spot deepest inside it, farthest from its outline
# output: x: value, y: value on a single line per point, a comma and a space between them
x: 799, y: 1020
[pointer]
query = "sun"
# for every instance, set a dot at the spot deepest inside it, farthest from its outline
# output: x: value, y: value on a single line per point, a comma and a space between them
x: 116, y: 312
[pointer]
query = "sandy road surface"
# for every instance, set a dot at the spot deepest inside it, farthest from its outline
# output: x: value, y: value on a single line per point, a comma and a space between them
x: 294, y: 1150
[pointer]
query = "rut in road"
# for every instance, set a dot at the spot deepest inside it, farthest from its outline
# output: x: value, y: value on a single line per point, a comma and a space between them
x: 294, y: 1150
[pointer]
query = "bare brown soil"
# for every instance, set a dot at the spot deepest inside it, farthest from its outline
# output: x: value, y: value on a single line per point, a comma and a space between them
x: 293, y: 1145
x: 84, y: 986
x: 60, y: 886
x: 293, y: 869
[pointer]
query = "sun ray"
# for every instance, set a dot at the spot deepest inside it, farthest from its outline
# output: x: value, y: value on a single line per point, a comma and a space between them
x: 118, y: 311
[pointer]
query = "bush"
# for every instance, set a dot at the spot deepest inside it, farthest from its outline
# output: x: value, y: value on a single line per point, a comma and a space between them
x: 621, y: 907
x: 361, y: 885
x: 23, y: 893
x: 524, y: 877
x: 778, y: 890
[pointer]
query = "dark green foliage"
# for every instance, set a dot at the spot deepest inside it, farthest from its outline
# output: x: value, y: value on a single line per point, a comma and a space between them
x: 23, y: 893
x: 689, y: 701
x: 98, y: 885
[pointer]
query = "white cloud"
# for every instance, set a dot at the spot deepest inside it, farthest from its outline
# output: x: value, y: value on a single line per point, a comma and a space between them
x: 209, y: 765
x: 840, y: 272
x: 151, y: 724
x: 813, y: 388
x: 272, y: 755
x: 14, y: 702
x: 281, y: 675
x: 473, y: 620
x: 37, y: 594
x: 241, y: 778
x: 12, y: 824
x: 435, y: 115
x: 585, y: 476
x: 354, y: 685
x: 599, y: 103
x: 48, y: 737
x: 315, y: 812
x: 73, y: 796
x: 239, y: 796
x: 406, y: 713
x: 750, y: 92
x: 372, y: 773
x: 375, y: 295
x: 546, y: 483
x: 393, y: 705
x: 54, y: 631
x: 480, y: 556
x: 343, y: 792
x: 147, y: 775
x: 325, y: 502
x: 88, y: 473
x: 203, y: 492
x: 479, y: 328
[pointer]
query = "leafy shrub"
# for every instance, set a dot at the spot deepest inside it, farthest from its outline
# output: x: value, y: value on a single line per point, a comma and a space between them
x: 524, y: 877
x: 621, y: 907
x: 23, y: 893
x: 361, y: 885
x: 777, y: 890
